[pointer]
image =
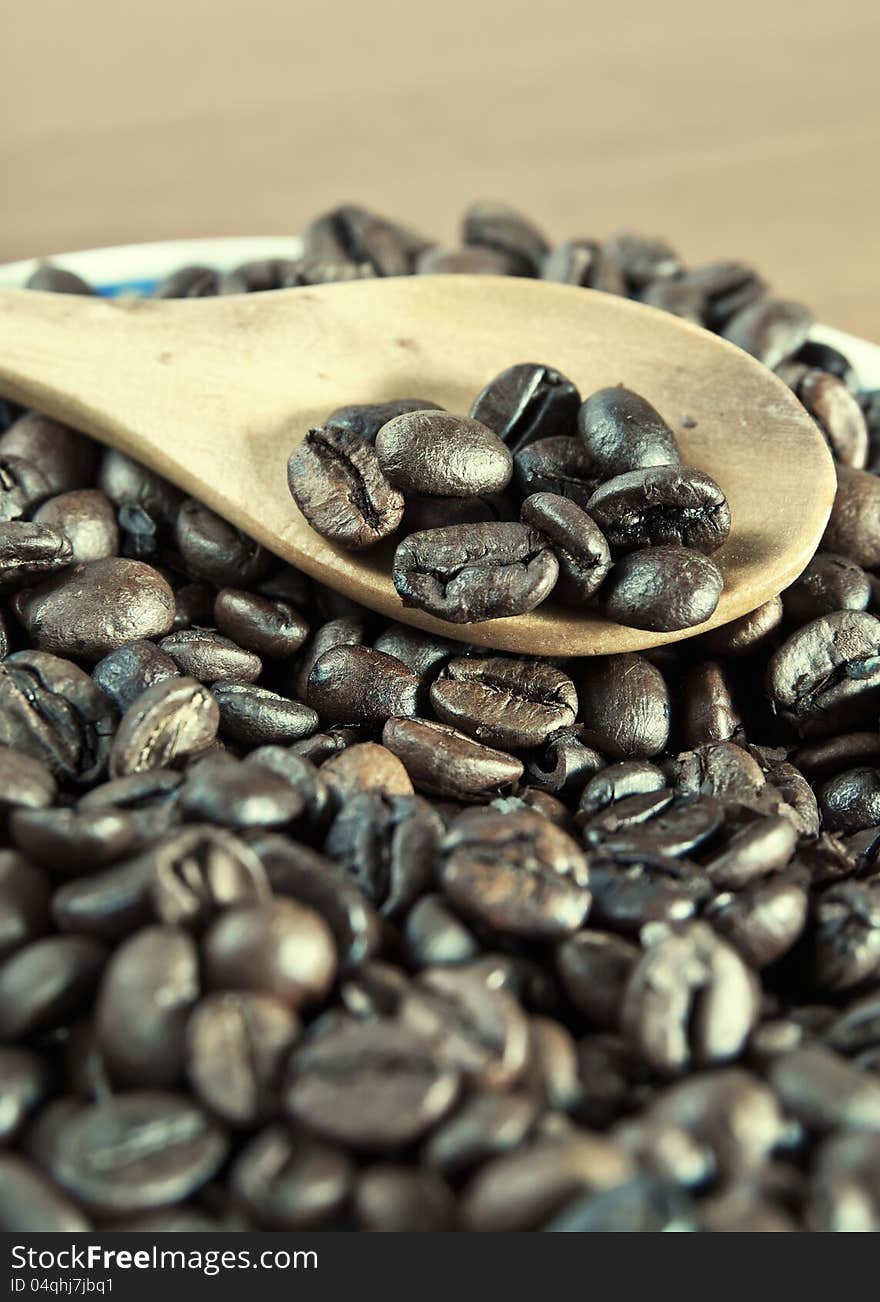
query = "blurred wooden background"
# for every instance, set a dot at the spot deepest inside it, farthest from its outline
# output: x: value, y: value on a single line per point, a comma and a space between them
x: 740, y: 129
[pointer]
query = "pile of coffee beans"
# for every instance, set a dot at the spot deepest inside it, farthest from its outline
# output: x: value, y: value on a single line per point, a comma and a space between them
x: 312, y: 920
x: 591, y: 480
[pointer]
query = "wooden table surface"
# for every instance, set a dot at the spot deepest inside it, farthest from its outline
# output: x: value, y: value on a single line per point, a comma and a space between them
x: 746, y: 129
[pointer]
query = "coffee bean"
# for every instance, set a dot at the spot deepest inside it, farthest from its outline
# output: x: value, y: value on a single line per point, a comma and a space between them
x: 124, y: 674
x: 675, y: 296
x: 50, y: 709
x: 351, y: 234
x: 106, y: 905
x: 641, y: 1206
x: 828, y: 583
x: 24, y: 781
x: 173, y: 718
x: 202, y: 654
x: 578, y: 544
x: 624, y: 706
x: 690, y: 999
x: 838, y: 415
x: 447, y: 456
x: 30, y: 1202
x: 373, y: 1084
x: 771, y: 329
x: 844, y: 1185
x: 584, y: 263
x: 189, y: 282
x: 465, y: 262
x: 846, y: 938
x: 708, y: 710
x: 278, y: 948
x: 24, y: 902
x: 150, y: 985
x: 366, y: 767
x: 827, y: 673
x: 444, y: 762
x: 434, y: 935
x: 824, y: 1091
x: 237, y: 1044
x: 24, y: 1084
x: 214, y: 550
x: 661, y: 505
x: 560, y: 465
x: 72, y: 841
x: 367, y: 418
x: 336, y: 480
x: 506, y: 703
x: 238, y: 795
x: 23, y: 485
x: 30, y: 551
x: 853, y: 528
x: 388, y: 845
x: 621, y: 432
x: 468, y: 573
x: 516, y: 872
x: 273, y: 629
x: 66, y: 459
x: 355, y: 684
x: 138, y: 1150
x: 200, y: 871
x: 747, y: 634
x: 87, y: 519
x: 291, y: 1181
x: 424, y: 653
x: 642, y: 259
x: 595, y: 968
x: 757, y: 849
x: 662, y: 589
x: 255, y: 716
x: 725, y: 288
x: 92, y: 609
x: 45, y: 982
x: 403, y: 1200
x: 527, y: 402
x: 497, y: 226
x: 763, y: 921
x: 850, y: 801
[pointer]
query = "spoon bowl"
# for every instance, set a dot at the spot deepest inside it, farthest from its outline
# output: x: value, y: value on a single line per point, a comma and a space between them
x: 215, y: 393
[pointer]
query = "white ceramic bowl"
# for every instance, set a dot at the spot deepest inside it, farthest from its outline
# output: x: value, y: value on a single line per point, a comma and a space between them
x: 136, y: 268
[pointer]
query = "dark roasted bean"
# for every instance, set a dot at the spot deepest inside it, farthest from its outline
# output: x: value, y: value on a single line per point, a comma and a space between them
x: 215, y: 551
x: 584, y: 263
x: 65, y: 458
x: 661, y: 505
x: 468, y: 573
x: 44, y: 983
x: 30, y: 1202
x: 662, y: 589
x: 262, y: 625
x: 838, y: 415
x: 824, y: 1091
x: 388, y: 844
x: 30, y: 551
x: 579, y: 545
x: 403, y: 1200
x: 763, y: 921
x: 87, y: 519
x: 772, y: 329
x: 24, y: 781
x: 51, y: 709
x: 747, y: 634
x: 527, y: 402
x: 500, y: 227
x: 336, y: 480
x: 508, y: 703
x: 255, y: 716
x: 443, y: 762
x: 24, y: 902
x: 364, y: 767
x: 366, y: 419
x: 624, y: 706
x: 73, y: 841
x: 200, y: 871
x: 174, y: 718
x: 828, y: 583
x: 290, y: 1181
x: 355, y: 684
x: 107, y: 905
x: 560, y: 465
x: 622, y: 432
x: 595, y: 968
x: 238, y: 795
x: 202, y: 654
x: 236, y: 1046
x: 642, y: 259
x: 278, y: 948
x: 124, y: 674
x: 827, y: 673
x: 447, y: 456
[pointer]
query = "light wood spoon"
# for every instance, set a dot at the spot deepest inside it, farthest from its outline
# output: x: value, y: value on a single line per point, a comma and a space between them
x: 215, y: 393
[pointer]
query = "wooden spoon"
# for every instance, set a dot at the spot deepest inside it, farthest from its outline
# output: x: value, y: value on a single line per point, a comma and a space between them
x: 215, y: 393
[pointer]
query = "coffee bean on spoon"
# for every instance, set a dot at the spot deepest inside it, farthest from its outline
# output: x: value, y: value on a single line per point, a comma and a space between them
x: 446, y: 456
x: 468, y: 573
x: 367, y: 418
x: 578, y: 544
x: 561, y: 465
x: 527, y: 402
x: 621, y: 431
x: 659, y: 506
x: 662, y: 589
x: 337, y: 482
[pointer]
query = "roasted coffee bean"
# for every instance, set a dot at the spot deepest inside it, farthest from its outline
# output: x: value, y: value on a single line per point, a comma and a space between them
x: 662, y: 589
x: 366, y: 767
x: 31, y: 1203
x: 772, y: 329
x: 622, y: 432
x: 65, y: 458
x: 497, y: 226
x: 57, y: 280
x: 747, y: 634
x: 346, y: 631
x: 850, y: 802
x: 124, y: 674
x: 642, y: 259
x: 642, y: 1206
x: 24, y: 1084
x: 468, y: 573
x: 846, y: 939
x: 671, y: 828
x: 690, y: 999
x: 150, y: 985
x: 373, y: 1084
x: 624, y: 706
x: 853, y: 528
x: 579, y: 545
x: 515, y: 872
x: 403, y: 1200
x: 106, y: 905
x: 617, y: 782
x: 560, y: 465
x: 845, y: 1185
x: 216, y: 552
x: 46, y: 982
x: 730, y: 1111
x: 299, y: 873
x: 24, y: 902
x: 724, y: 288
x: 479, y: 1032
x: 202, y: 654
x: 827, y: 673
x: 521, y: 1190
x: 483, y: 1126
x: 73, y: 841
x: 255, y: 716
x: 23, y: 485
x: 584, y: 263
x: 595, y: 968
x: 527, y: 402
x: 838, y: 415
x: 763, y: 921
x: 465, y: 262
x: 508, y: 703
x: 170, y: 720
x: 51, y: 709
x: 824, y: 1091
x: 24, y: 781
x: 262, y: 275
x: 366, y: 419
x: 138, y: 1150
x: 422, y: 511
x: 199, y: 871
x: 759, y: 848
x: 659, y: 506
x: 447, y: 456
x: 564, y: 764
x: 388, y: 845
x: 351, y: 234
x: 278, y: 948
x: 92, y: 609
x: 238, y: 795
x: 708, y: 712
x: 434, y: 935
x: 828, y: 583
x: 336, y: 480
x: 424, y: 653
x: 675, y: 296
x: 290, y: 1181
x: 87, y: 519
x: 189, y: 282
x: 830, y: 755
x: 236, y: 1045
x: 30, y: 551
x: 355, y: 684
x: 443, y: 762
x: 268, y: 628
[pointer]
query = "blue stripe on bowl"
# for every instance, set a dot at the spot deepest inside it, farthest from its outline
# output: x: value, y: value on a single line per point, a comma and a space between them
x: 126, y: 287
